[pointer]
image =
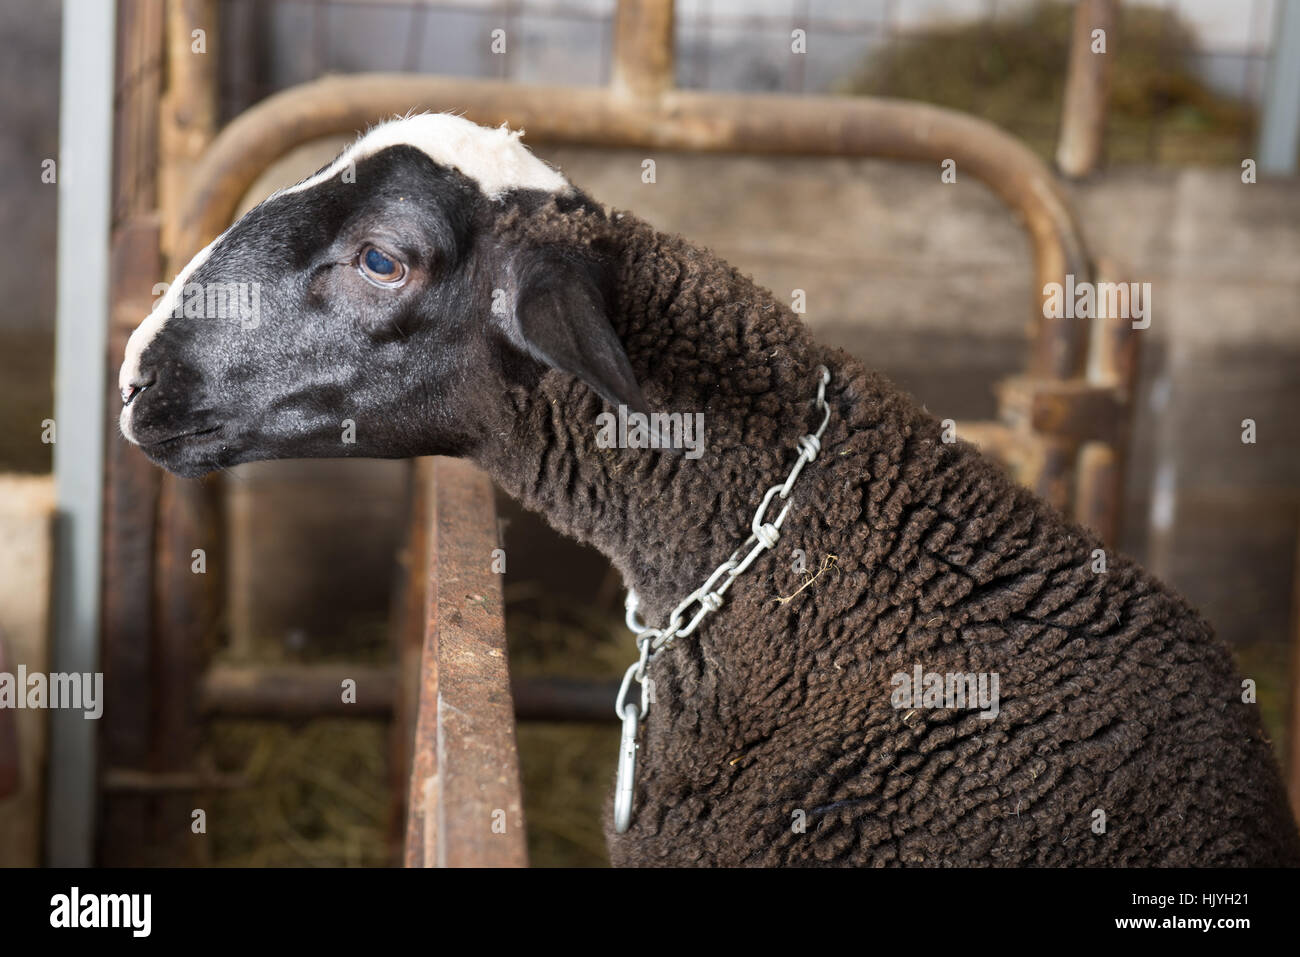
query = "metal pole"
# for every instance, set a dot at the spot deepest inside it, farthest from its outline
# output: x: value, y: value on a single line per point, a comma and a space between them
x: 1279, y: 128
x: 85, y: 188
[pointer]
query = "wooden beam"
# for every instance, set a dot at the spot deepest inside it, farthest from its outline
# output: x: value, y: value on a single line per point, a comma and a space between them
x: 288, y: 692
x: 1074, y: 409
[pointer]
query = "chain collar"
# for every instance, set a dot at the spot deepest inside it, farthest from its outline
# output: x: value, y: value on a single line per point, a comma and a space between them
x: 651, y: 641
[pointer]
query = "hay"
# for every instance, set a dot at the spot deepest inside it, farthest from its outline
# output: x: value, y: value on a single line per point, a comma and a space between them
x: 317, y: 794
x: 568, y: 769
x: 1011, y: 71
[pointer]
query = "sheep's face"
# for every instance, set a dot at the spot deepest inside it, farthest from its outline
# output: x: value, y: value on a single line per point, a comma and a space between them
x: 367, y: 312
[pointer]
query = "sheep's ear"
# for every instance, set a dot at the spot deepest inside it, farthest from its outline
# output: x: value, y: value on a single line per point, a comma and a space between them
x: 561, y: 314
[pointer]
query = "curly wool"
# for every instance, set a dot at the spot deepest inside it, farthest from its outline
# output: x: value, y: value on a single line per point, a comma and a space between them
x: 772, y: 739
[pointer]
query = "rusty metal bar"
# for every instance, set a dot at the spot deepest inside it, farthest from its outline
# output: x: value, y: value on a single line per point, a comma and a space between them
x: 406, y: 634
x: 1087, y: 87
x: 466, y: 807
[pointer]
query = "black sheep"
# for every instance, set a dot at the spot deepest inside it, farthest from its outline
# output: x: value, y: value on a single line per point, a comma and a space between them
x: 458, y: 299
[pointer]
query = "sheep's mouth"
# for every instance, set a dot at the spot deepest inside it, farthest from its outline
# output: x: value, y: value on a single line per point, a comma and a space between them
x: 189, y: 454
x: 171, y: 441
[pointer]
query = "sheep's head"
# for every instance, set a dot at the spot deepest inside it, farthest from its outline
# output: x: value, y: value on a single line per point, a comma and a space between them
x: 372, y: 310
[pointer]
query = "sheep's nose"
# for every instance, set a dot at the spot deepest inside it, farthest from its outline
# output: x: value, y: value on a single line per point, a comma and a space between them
x: 130, y: 392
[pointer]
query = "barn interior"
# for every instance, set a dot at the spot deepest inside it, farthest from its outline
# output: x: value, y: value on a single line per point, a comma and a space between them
x: 1174, y: 155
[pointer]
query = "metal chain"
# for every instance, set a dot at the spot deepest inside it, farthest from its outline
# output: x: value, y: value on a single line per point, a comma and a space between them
x: 651, y: 641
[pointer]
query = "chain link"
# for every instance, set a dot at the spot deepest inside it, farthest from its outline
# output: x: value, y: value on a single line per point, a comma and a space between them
x: 650, y: 641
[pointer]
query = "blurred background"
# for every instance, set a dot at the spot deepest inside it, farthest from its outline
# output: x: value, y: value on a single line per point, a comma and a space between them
x: 1180, y: 173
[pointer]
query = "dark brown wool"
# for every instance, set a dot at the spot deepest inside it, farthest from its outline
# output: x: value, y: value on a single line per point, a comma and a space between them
x: 1115, y: 695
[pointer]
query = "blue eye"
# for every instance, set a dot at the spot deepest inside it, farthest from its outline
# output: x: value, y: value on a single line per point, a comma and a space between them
x: 379, y: 267
x: 378, y: 262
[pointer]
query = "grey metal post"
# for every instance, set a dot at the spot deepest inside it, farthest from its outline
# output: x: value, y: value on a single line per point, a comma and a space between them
x: 84, y: 173
x: 1279, y: 127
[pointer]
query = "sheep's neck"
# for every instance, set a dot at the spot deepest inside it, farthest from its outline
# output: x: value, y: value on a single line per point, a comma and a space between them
x: 701, y: 338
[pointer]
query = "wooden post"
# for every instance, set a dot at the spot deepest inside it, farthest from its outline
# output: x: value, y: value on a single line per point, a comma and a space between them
x: 130, y: 482
x: 158, y: 614
x: 189, y: 110
x: 643, y: 47
x: 188, y: 602
x: 1087, y: 87
x: 1113, y: 357
x: 130, y: 516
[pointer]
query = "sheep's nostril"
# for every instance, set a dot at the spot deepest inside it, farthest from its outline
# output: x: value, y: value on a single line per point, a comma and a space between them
x: 130, y: 392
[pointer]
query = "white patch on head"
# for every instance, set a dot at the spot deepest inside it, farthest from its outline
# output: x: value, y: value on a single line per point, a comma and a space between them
x: 494, y: 158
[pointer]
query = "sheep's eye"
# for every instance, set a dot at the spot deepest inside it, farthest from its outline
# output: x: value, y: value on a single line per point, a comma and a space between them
x: 379, y: 267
